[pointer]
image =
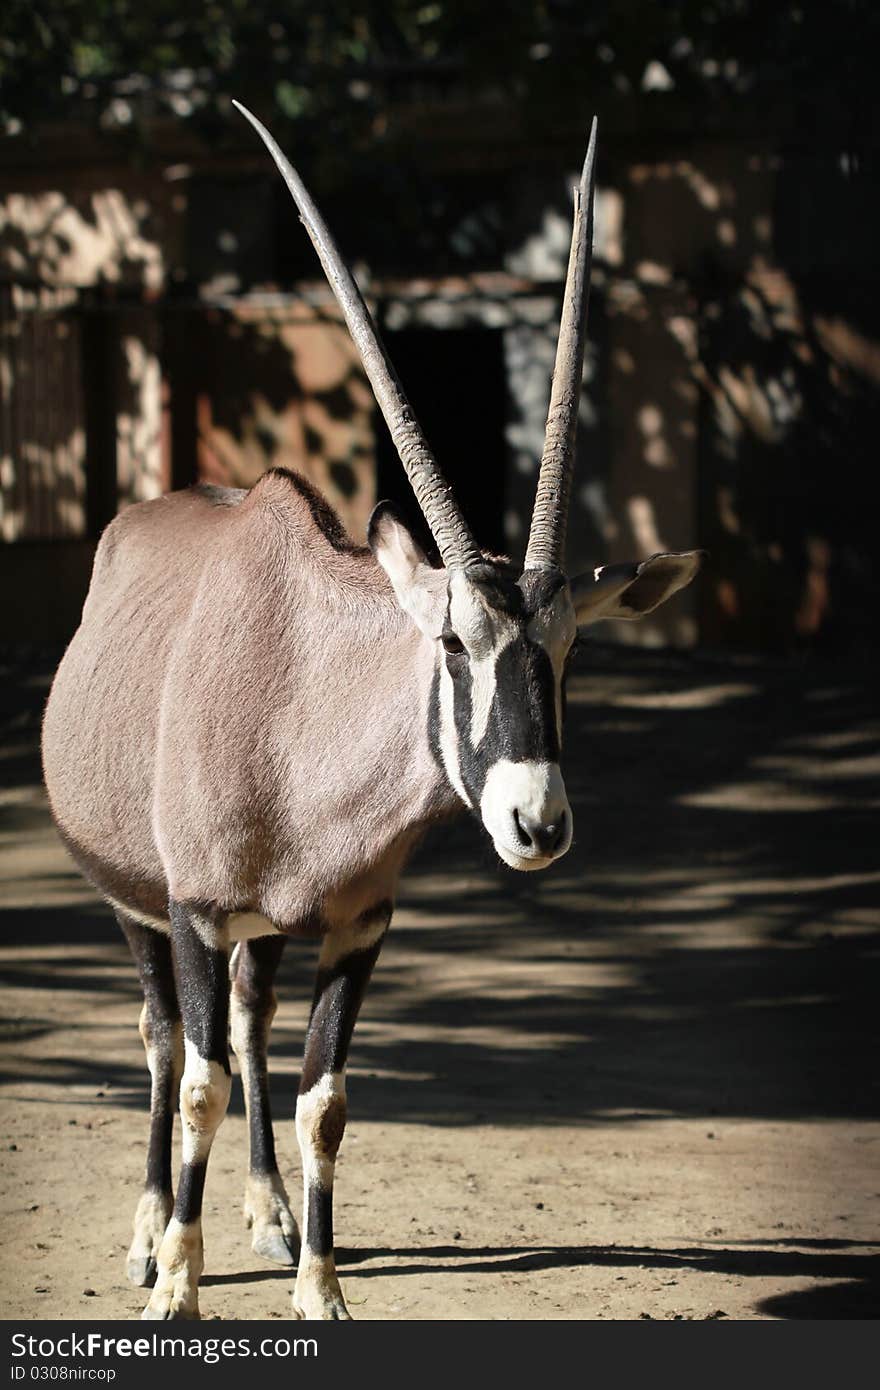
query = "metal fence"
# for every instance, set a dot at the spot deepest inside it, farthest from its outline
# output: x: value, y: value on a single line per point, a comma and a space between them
x: 43, y: 483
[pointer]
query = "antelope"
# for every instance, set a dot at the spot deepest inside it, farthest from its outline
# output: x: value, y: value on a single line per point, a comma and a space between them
x: 253, y: 725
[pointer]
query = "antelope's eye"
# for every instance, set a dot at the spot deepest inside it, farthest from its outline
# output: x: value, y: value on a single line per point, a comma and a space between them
x: 452, y: 645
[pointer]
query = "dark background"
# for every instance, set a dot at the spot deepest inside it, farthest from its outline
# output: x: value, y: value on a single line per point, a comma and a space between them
x: 735, y: 346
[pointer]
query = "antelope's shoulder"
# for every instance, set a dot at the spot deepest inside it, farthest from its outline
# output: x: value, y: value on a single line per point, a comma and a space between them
x: 289, y: 498
x: 168, y: 532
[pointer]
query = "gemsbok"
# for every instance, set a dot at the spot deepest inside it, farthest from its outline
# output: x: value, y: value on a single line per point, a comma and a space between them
x: 254, y: 724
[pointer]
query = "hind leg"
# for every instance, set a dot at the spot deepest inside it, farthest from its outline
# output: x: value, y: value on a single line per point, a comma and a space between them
x: 200, y: 948
x: 252, y: 1008
x: 162, y: 1036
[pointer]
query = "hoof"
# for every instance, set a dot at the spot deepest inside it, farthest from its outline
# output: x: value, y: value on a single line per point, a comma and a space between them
x: 172, y: 1301
x: 328, y: 1312
x: 267, y: 1214
x: 271, y: 1243
x: 169, y: 1314
x: 317, y: 1296
x: 141, y: 1270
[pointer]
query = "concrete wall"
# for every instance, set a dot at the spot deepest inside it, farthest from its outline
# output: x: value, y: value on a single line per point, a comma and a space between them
x: 730, y: 387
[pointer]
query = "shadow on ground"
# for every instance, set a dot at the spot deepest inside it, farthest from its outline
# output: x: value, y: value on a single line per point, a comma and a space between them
x: 723, y: 886
x: 708, y: 948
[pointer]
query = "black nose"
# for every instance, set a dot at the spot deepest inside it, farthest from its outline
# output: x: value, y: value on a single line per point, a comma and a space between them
x: 546, y: 839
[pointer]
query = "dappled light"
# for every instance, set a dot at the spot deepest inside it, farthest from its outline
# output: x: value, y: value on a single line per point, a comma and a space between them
x: 64, y: 242
x: 641, y: 1083
x: 699, y: 972
x: 726, y: 382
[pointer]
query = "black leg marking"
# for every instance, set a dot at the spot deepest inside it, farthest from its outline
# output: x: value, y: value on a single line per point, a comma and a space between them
x: 339, y: 992
x: 201, y: 969
x: 253, y: 1007
x: 319, y: 1222
x: 346, y: 962
x: 202, y: 974
x: 190, y: 1192
x: 162, y: 1036
x: 266, y: 1207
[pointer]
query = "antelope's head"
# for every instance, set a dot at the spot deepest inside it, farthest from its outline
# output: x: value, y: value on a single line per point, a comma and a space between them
x: 502, y: 638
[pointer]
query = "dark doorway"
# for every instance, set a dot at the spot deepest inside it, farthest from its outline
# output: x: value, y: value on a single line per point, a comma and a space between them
x: 455, y: 382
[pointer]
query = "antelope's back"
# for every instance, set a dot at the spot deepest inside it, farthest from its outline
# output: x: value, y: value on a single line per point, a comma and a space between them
x: 219, y: 629
x: 101, y: 723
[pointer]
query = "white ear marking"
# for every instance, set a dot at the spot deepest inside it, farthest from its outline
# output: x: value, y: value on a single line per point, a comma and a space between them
x: 420, y: 590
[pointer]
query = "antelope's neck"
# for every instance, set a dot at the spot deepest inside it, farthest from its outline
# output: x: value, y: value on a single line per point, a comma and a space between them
x: 362, y: 781
x: 408, y: 760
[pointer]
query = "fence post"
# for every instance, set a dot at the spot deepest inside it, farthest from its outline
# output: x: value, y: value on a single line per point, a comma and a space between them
x: 100, y: 346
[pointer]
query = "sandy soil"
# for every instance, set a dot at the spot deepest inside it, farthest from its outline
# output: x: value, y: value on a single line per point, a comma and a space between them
x: 642, y: 1085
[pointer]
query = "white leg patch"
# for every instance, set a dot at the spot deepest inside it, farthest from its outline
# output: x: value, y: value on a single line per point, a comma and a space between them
x: 248, y: 926
x: 176, y: 1294
x: 204, y: 1098
x: 317, y: 1295
x: 160, y: 924
x: 311, y: 1108
x: 342, y: 941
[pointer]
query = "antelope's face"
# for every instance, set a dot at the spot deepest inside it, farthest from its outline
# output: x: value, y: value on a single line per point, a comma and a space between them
x: 501, y: 646
x: 497, y: 717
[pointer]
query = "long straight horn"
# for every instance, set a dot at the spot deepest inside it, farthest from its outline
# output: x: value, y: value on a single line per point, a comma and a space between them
x: 448, y: 527
x: 550, y: 516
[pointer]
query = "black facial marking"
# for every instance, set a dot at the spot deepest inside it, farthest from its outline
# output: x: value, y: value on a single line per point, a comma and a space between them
x: 472, y: 769
x: 497, y: 587
x: 202, y: 976
x: 456, y: 663
x: 540, y: 587
x: 522, y: 722
x: 434, y: 718
x: 255, y: 965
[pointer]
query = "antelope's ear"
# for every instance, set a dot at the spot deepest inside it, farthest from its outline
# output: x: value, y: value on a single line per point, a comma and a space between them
x: 631, y: 591
x: 420, y: 589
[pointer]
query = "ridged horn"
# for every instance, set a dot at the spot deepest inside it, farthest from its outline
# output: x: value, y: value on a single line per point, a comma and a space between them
x: 550, y: 516
x: 433, y: 493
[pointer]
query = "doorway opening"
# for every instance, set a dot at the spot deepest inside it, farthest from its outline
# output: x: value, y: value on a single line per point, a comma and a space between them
x: 455, y: 382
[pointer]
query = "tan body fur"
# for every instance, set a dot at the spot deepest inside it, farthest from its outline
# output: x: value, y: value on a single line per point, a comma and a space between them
x: 213, y: 732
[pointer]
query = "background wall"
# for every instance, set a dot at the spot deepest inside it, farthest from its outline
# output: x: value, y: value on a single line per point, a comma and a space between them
x: 161, y: 319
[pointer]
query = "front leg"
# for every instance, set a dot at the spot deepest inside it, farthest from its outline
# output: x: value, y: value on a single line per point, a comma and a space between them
x: 252, y: 1006
x: 200, y: 945
x: 344, y: 967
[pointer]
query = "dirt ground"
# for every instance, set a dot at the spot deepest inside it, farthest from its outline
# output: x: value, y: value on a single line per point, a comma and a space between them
x: 642, y: 1085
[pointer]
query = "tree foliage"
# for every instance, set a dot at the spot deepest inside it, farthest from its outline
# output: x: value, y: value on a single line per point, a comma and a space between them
x: 343, y: 65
